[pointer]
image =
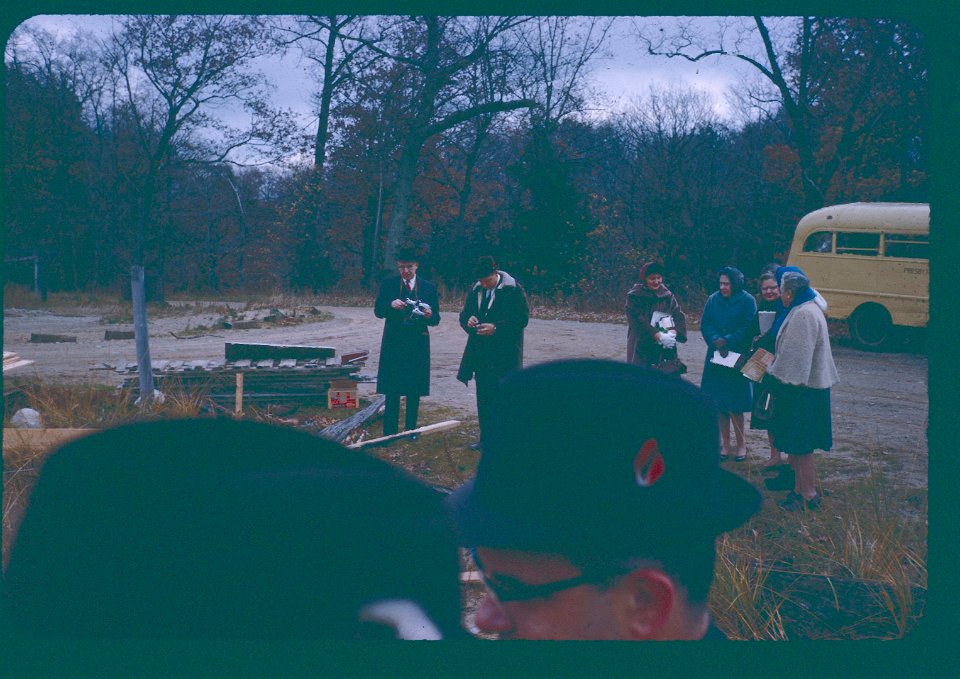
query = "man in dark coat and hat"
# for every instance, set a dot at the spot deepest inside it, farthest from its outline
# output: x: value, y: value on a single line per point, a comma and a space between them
x: 409, y: 304
x: 494, y: 316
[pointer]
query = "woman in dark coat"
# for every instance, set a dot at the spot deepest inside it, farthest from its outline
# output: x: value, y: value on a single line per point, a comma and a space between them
x: 646, y: 344
x: 405, y: 348
x: 726, y: 326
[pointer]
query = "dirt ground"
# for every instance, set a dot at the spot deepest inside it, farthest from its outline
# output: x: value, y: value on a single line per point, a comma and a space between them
x: 880, y: 406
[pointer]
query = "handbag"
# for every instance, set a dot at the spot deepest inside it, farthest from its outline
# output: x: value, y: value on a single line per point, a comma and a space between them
x: 764, y: 403
x: 671, y: 366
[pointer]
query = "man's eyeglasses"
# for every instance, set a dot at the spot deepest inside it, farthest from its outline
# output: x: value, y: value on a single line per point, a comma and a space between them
x: 511, y: 589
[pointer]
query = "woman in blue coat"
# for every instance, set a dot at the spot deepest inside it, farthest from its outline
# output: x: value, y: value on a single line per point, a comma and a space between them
x: 726, y: 326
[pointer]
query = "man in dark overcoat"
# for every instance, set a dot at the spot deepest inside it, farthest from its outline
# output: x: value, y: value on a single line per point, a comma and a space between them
x: 409, y: 304
x: 494, y: 316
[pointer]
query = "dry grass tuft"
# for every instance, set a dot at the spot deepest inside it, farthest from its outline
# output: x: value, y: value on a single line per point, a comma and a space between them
x: 854, y: 570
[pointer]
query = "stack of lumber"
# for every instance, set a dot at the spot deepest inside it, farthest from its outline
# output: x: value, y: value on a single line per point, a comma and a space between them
x: 267, y: 380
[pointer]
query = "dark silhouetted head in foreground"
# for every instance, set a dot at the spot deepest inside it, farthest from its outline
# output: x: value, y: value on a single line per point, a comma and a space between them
x: 224, y: 529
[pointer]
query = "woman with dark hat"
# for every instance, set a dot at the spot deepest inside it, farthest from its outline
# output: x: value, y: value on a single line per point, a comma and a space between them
x: 655, y: 321
x: 726, y: 326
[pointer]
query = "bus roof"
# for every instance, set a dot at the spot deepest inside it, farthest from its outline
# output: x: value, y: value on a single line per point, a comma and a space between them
x: 901, y: 217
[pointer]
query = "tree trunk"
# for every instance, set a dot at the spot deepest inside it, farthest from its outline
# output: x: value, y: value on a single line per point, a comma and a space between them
x: 403, y: 193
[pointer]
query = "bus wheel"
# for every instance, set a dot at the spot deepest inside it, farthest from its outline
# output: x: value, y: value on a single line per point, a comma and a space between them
x: 870, y: 326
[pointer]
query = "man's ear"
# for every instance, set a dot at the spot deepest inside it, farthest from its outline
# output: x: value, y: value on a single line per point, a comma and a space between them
x: 652, y: 598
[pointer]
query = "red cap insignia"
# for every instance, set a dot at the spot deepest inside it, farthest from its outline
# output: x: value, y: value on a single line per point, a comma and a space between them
x: 648, y: 464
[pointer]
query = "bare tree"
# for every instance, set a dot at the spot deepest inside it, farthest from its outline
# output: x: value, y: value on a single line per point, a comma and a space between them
x: 321, y: 39
x: 669, y: 137
x: 437, y: 54
x: 560, y: 50
x: 176, y: 70
x: 785, y: 67
x: 803, y: 63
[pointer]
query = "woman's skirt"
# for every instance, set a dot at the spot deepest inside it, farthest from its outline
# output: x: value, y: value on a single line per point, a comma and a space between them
x: 802, y: 421
x: 730, y: 390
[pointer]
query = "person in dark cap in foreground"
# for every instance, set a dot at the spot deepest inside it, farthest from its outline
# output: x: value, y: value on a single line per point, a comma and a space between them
x: 598, y: 521
x: 206, y: 529
x: 494, y: 316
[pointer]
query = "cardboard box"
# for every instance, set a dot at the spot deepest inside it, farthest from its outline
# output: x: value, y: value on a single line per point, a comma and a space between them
x: 343, y: 394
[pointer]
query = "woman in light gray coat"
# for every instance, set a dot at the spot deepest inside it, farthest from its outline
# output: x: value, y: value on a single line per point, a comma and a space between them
x: 804, y: 371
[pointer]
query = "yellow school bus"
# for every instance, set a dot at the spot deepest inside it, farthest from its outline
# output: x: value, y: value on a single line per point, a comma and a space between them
x: 870, y: 261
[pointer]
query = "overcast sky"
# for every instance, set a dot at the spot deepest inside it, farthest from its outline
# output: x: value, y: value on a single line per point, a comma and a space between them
x: 627, y: 74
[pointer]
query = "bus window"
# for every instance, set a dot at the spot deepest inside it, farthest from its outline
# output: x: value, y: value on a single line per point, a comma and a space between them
x: 821, y: 241
x: 858, y: 243
x: 905, y: 245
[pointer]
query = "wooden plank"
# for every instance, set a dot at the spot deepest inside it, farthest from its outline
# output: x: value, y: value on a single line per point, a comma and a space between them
x: 234, y: 351
x: 355, y: 357
x: 41, y: 338
x: 338, y: 431
x: 40, y: 439
x: 241, y: 325
x: 16, y: 364
x: 118, y: 335
x: 238, y: 405
x: 386, y: 440
x: 11, y: 361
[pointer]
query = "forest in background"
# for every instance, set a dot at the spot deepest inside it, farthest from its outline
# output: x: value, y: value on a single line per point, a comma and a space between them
x: 459, y: 136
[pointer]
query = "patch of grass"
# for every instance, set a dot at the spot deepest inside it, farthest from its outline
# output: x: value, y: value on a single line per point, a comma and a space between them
x: 98, y: 406
x: 21, y: 466
x: 443, y: 459
x: 854, y: 570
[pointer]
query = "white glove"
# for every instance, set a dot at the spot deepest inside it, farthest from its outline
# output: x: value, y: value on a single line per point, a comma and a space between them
x: 667, y: 341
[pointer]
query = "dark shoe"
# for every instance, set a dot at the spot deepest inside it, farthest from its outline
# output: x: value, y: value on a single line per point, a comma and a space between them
x: 795, y: 503
x: 785, y: 480
x: 723, y: 457
x: 792, y: 503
